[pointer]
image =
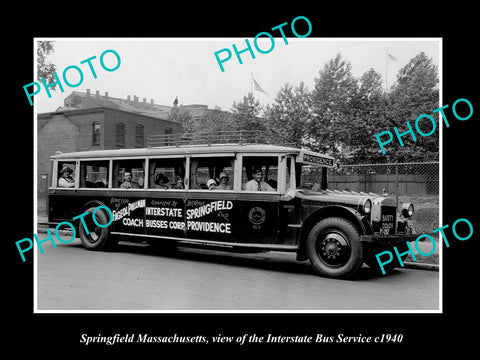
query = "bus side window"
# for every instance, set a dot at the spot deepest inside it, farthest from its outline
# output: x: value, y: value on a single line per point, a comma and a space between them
x: 66, y: 174
x: 129, y: 174
x: 266, y: 167
x: 166, y: 174
x: 212, y: 168
x: 94, y: 173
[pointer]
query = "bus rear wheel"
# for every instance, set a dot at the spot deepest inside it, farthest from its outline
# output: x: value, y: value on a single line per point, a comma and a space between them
x: 96, y: 237
x: 334, y: 248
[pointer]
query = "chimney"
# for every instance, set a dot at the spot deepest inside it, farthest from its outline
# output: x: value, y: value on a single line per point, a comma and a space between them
x: 97, y: 94
x: 128, y: 98
x: 106, y: 94
x: 135, y: 99
x: 151, y: 102
x: 88, y: 92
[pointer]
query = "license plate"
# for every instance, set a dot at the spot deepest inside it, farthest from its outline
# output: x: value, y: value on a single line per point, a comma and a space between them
x: 387, y: 226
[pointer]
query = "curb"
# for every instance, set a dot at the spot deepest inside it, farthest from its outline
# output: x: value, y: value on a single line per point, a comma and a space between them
x: 421, y: 266
x: 61, y: 231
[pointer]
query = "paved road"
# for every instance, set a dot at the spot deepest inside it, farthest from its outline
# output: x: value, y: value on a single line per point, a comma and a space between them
x: 136, y: 277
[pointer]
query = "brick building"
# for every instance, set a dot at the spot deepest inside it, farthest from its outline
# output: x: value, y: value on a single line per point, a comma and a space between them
x: 95, y: 122
x: 99, y: 128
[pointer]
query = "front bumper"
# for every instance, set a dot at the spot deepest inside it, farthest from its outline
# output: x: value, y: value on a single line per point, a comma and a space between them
x: 388, y: 240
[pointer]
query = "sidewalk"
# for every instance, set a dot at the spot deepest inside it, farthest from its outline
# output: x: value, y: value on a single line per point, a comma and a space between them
x: 430, y: 262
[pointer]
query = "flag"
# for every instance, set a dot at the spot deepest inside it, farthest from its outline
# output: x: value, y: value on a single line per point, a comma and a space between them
x: 258, y: 87
x: 391, y: 57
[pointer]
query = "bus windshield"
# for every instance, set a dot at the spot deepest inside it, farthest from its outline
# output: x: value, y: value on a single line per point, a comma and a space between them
x: 311, y: 177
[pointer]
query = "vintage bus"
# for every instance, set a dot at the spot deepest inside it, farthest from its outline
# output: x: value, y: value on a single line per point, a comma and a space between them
x: 256, y: 202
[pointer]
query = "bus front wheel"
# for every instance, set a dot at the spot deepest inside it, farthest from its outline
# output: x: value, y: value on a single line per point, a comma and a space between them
x: 334, y: 248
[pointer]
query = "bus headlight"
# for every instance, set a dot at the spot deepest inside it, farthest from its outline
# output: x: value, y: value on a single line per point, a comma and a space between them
x: 407, y: 210
x: 366, y: 206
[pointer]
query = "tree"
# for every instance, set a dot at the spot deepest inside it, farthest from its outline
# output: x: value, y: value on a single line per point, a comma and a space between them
x: 214, y: 126
x: 45, y: 70
x: 182, y: 117
x: 421, y: 73
x: 209, y: 128
x: 289, y: 114
x: 369, y: 111
x: 334, y: 91
x: 415, y: 93
x: 246, y: 114
x: 246, y: 118
x: 370, y: 86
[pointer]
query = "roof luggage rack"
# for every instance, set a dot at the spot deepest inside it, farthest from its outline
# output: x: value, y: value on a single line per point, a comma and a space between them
x: 240, y: 137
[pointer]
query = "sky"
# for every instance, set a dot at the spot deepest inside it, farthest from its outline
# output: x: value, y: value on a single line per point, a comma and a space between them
x: 164, y: 68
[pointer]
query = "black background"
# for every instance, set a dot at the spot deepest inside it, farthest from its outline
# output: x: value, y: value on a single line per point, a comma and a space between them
x: 59, y: 334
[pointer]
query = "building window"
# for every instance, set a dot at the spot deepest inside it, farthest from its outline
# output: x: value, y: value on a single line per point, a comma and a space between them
x: 168, y: 138
x: 120, y: 134
x: 96, y: 133
x: 139, y: 136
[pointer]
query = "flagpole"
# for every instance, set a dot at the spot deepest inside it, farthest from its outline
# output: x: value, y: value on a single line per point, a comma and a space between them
x: 251, y: 83
x: 386, y: 78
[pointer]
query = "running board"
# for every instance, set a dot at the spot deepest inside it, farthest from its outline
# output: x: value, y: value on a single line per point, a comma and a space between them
x: 272, y: 247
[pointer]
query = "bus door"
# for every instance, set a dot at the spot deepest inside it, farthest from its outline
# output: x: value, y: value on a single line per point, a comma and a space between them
x: 258, y: 201
x: 257, y: 218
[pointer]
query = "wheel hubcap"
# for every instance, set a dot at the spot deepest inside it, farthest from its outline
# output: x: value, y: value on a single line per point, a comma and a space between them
x: 333, y: 249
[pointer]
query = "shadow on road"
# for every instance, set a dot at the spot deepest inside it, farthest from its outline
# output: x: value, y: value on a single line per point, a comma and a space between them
x: 272, y: 261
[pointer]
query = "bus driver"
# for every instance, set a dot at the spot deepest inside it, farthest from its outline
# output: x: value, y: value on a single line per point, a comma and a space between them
x: 256, y: 184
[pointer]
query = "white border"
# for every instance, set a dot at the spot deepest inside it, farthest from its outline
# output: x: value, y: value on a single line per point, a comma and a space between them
x: 35, y: 202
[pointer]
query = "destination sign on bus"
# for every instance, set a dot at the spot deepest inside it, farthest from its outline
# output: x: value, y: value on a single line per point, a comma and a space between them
x: 315, y: 159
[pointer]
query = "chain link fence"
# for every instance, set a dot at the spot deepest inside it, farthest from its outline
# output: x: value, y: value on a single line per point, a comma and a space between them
x: 417, y: 183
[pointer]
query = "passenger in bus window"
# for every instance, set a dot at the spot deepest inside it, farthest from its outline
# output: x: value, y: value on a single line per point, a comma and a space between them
x: 223, y: 182
x: 178, y: 183
x: 256, y: 184
x: 212, y: 184
x: 128, y: 183
x: 66, y: 179
x: 161, y: 181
